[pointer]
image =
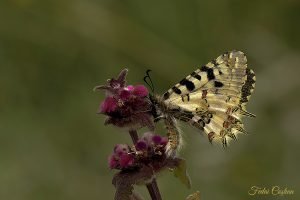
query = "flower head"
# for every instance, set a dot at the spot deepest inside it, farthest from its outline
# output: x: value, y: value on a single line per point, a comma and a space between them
x: 126, y: 105
x: 109, y: 105
x: 140, y: 91
x: 121, y: 157
x: 149, y: 150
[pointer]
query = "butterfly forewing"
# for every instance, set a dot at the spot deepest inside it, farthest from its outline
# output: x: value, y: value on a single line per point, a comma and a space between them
x: 213, y: 98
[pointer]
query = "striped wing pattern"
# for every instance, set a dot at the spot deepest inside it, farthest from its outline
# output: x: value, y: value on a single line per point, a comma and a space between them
x: 213, y: 98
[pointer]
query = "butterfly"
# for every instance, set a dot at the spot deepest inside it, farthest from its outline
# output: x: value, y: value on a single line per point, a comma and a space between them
x: 213, y: 99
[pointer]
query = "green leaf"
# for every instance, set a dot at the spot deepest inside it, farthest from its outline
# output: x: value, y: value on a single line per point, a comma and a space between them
x: 181, y: 173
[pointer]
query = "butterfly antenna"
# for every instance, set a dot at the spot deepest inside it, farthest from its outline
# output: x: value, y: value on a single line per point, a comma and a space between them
x: 148, y: 78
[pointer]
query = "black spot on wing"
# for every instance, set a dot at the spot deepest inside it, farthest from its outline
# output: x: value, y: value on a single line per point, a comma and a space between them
x: 209, y: 71
x: 204, y: 68
x: 201, y: 123
x: 218, y: 84
x: 166, y: 95
x: 196, y: 76
x: 176, y: 90
x: 188, y: 84
x: 206, y: 120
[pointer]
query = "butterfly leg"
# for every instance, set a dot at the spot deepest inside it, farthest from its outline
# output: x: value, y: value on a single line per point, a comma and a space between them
x: 159, y: 118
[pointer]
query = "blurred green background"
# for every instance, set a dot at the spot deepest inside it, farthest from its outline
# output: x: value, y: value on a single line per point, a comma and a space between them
x: 53, y: 52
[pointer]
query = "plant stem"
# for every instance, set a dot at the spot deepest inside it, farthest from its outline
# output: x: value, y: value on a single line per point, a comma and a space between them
x: 152, y: 187
x: 134, y: 136
x: 153, y: 190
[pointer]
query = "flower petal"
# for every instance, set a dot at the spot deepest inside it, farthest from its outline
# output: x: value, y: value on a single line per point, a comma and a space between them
x: 141, y: 145
x: 156, y: 139
x: 129, y: 88
x: 122, y: 77
x: 126, y: 160
x: 112, y: 162
x: 140, y: 91
x: 125, y: 94
x: 108, y: 105
x: 164, y: 141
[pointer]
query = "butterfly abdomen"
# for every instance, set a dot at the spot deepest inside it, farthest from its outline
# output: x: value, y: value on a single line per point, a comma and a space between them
x: 160, y: 110
x: 174, y: 137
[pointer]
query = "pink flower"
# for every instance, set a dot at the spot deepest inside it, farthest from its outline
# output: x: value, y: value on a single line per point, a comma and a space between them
x: 164, y: 141
x: 140, y: 91
x: 129, y: 88
x: 141, y: 145
x: 149, y: 150
x: 150, y: 142
x: 126, y: 105
x: 126, y: 160
x: 108, y: 105
x: 156, y: 139
x: 112, y: 162
x: 125, y: 95
x: 121, y: 158
x: 159, y: 140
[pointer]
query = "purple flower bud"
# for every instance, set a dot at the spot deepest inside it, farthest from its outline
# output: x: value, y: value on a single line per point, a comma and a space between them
x: 108, y: 105
x: 112, y: 162
x: 126, y: 160
x: 121, y: 158
x: 129, y: 88
x: 140, y: 91
x: 141, y: 145
x: 149, y: 151
x: 164, y: 141
x: 156, y: 139
x: 125, y: 94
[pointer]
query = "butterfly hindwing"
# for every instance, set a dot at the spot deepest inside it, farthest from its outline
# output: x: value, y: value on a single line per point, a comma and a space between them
x: 213, y: 98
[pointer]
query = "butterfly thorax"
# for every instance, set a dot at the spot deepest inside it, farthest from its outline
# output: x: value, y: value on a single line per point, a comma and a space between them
x: 158, y: 107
